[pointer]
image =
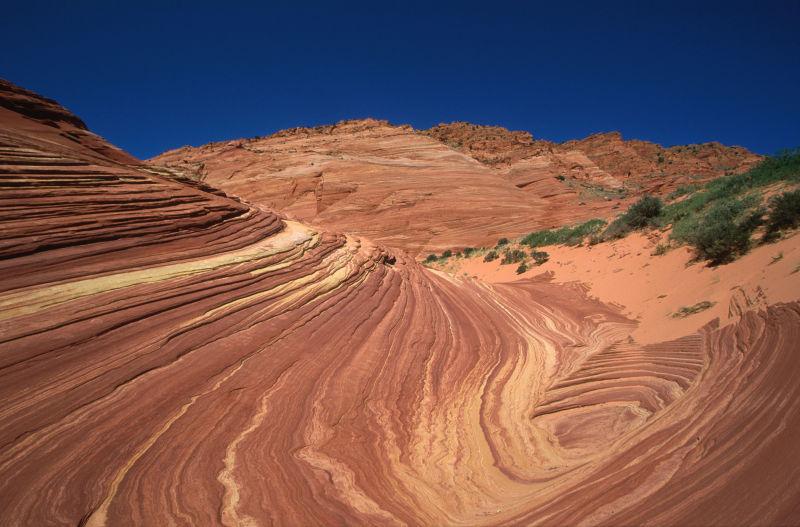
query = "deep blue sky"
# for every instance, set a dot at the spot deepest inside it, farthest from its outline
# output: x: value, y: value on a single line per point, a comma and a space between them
x: 159, y: 76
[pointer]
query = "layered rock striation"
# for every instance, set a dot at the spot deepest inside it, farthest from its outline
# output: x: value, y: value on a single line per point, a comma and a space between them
x: 170, y: 355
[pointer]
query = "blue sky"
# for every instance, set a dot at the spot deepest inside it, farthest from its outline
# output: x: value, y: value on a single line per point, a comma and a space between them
x: 155, y: 76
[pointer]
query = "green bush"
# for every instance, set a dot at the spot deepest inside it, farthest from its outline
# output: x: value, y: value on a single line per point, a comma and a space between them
x: 540, y: 257
x: 565, y: 235
x: 618, y: 228
x: 447, y: 254
x: 784, y: 213
x: 661, y: 249
x: 490, y: 256
x: 512, y: 256
x: 723, y: 232
x: 522, y: 268
x: 431, y: 258
x: 468, y: 251
x: 643, y: 212
x: 502, y: 241
x: 782, y: 167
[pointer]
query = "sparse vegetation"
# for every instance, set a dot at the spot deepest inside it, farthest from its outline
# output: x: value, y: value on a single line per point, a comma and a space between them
x: 719, y: 218
x: 643, y: 213
x: 723, y: 232
x: 564, y: 236
x: 661, y: 249
x: 682, y: 191
x: 431, y: 258
x: 512, y: 256
x: 447, y: 254
x: 784, y: 213
x: 539, y: 257
x: 691, y: 310
x: 522, y: 268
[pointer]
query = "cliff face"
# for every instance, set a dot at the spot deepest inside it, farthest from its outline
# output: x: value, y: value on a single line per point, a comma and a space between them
x: 451, y: 186
x: 170, y: 355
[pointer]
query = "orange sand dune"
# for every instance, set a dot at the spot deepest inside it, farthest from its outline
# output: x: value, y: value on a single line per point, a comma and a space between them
x: 170, y: 355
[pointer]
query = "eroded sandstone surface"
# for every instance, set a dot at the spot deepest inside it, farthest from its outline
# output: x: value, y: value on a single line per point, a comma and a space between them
x: 172, y: 355
x: 454, y: 185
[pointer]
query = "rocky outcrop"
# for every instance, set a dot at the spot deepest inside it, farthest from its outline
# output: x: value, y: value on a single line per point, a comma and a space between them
x: 388, y: 183
x: 451, y: 186
x: 170, y: 355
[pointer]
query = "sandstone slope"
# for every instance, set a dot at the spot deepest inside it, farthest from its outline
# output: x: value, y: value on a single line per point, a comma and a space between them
x: 173, y: 356
x: 454, y: 185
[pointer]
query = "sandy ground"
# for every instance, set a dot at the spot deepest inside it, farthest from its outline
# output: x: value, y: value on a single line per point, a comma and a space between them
x: 652, y: 288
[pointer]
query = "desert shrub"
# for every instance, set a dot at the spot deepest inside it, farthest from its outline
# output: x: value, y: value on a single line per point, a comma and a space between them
x: 447, y: 254
x: 691, y: 310
x: 784, y: 213
x: 723, y: 232
x: 539, y: 257
x: 431, y: 258
x: 512, y: 256
x: 468, y: 251
x: 522, y: 268
x: 782, y: 167
x: 661, y: 249
x: 561, y: 177
x: 565, y: 235
x: 502, y: 241
x: 643, y: 212
x: 490, y: 256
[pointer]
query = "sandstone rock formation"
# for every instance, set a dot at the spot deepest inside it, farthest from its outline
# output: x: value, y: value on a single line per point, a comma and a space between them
x: 170, y: 355
x: 451, y: 186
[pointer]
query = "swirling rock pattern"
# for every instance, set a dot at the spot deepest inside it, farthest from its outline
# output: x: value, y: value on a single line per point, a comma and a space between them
x: 173, y: 356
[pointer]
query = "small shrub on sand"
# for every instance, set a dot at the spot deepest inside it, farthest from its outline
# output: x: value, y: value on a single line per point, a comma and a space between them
x: 539, y: 257
x: 691, y: 310
x: 661, y: 249
x: 565, y: 235
x: 522, y: 268
x: 784, y: 213
x: 723, y: 233
x: 512, y: 256
x: 490, y: 256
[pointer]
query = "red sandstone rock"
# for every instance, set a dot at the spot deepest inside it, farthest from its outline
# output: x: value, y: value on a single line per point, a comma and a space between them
x: 170, y: 355
x: 454, y: 185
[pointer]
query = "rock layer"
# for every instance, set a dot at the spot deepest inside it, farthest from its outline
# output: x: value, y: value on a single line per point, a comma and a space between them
x: 173, y: 356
